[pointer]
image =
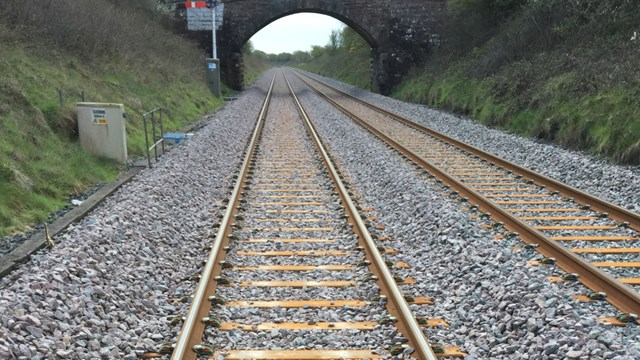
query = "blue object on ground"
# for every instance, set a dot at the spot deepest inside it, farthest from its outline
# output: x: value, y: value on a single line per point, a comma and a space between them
x: 175, y: 138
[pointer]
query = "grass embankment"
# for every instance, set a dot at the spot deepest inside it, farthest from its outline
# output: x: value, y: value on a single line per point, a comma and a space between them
x: 126, y: 56
x: 561, y: 71
x: 537, y: 99
x: 253, y: 67
x: 343, y: 64
x: 554, y: 71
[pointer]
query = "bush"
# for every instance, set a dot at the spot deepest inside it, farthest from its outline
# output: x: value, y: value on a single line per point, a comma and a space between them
x: 95, y: 29
x: 560, y: 70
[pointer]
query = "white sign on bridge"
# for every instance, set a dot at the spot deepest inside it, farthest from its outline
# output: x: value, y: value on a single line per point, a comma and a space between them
x: 199, y: 16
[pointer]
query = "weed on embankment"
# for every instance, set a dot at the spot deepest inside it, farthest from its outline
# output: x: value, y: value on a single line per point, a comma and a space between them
x: 113, y: 51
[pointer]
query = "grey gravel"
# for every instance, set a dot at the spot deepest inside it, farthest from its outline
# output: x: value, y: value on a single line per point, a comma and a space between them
x: 616, y: 183
x: 428, y: 149
x: 103, y: 291
x: 253, y: 227
x: 498, y: 306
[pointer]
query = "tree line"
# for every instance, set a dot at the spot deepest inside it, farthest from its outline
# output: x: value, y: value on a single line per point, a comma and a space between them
x: 342, y: 41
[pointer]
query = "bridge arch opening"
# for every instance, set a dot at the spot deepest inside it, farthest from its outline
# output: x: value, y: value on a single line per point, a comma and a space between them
x: 339, y: 19
x: 379, y: 22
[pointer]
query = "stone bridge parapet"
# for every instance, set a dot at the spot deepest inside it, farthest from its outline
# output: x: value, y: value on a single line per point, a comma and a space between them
x: 390, y: 27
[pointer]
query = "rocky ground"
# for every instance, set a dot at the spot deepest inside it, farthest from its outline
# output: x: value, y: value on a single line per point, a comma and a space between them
x: 284, y: 133
x: 8, y: 243
x: 103, y: 291
x: 498, y: 306
x: 615, y: 183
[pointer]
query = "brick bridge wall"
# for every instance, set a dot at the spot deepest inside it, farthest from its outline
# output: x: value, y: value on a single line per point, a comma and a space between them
x: 375, y: 20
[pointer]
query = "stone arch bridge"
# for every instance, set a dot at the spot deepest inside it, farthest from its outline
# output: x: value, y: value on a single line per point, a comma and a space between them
x: 389, y: 26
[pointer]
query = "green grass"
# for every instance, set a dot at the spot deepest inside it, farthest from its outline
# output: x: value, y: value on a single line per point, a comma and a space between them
x: 556, y: 108
x: 41, y: 161
x: 344, y: 66
x: 253, y: 67
x: 543, y: 69
x: 538, y: 97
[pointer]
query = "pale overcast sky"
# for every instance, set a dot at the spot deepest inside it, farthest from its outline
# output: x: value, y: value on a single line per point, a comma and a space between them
x: 295, y: 32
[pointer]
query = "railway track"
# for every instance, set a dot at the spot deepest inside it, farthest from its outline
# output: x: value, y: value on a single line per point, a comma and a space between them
x: 595, y: 242
x: 293, y: 272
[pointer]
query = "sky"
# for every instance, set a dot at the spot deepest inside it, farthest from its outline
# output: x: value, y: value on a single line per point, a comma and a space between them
x: 295, y: 32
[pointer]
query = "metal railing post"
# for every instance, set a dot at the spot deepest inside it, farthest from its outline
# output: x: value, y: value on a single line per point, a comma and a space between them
x: 161, y: 130
x: 146, y: 138
x: 155, y: 140
x: 151, y: 115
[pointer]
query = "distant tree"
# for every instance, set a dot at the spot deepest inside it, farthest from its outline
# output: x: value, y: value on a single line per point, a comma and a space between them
x: 260, y: 54
x: 248, y: 47
x: 300, y: 57
x: 351, y: 41
x: 317, y: 51
x: 334, y: 41
x: 283, y: 58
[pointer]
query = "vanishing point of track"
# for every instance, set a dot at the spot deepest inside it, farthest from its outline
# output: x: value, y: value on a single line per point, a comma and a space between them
x: 290, y: 217
x: 545, y: 213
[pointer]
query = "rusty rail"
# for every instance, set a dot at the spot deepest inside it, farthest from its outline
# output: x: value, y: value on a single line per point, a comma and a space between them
x: 614, y: 211
x: 397, y: 305
x: 619, y: 295
x: 193, y: 328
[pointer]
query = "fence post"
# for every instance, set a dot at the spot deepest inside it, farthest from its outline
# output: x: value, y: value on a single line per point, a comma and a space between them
x: 161, y: 130
x: 153, y: 130
x: 146, y: 138
x: 151, y: 115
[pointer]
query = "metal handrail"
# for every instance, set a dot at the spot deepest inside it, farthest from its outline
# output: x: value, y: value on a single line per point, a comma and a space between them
x: 151, y: 115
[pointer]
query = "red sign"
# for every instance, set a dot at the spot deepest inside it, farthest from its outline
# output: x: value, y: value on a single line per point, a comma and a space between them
x: 196, y: 4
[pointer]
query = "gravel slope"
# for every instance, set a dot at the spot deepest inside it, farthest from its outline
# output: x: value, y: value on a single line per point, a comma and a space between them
x: 617, y: 184
x: 498, y: 306
x: 285, y: 135
x: 102, y: 291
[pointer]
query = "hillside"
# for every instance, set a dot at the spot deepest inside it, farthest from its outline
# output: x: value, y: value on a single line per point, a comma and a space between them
x: 561, y: 71
x: 342, y: 58
x: 111, y: 50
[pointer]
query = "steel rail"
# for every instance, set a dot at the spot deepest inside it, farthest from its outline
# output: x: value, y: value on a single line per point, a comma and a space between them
x: 193, y: 328
x: 614, y: 211
x: 397, y: 304
x: 618, y: 294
